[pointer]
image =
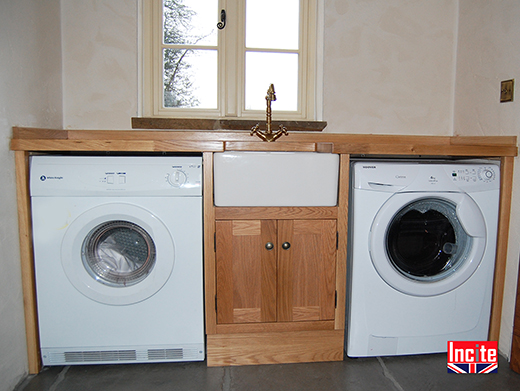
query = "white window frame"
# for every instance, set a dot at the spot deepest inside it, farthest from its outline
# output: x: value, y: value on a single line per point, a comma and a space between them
x: 232, y: 56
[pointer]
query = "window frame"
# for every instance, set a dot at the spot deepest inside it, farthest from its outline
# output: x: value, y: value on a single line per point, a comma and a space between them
x: 231, y: 56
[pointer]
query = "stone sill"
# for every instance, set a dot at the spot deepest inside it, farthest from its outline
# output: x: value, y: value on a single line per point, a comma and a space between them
x: 222, y: 124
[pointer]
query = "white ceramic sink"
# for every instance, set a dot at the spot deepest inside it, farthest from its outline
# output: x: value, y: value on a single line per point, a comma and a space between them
x: 275, y: 179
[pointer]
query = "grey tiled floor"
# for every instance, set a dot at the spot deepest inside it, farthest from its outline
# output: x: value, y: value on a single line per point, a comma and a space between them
x: 406, y: 373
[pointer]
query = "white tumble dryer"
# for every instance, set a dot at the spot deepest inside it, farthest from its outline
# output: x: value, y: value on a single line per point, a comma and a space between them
x: 421, y: 256
x: 118, y: 258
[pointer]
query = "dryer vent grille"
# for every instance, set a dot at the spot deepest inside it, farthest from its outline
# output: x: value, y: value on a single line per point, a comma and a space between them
x: 102, y: 355
x: 165, y: 354
x: 189, y: 353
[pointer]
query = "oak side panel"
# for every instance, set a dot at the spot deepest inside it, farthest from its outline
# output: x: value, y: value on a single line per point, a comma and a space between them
x: 274, y: 348
x: 209, y: 245
x: 506, y: 189
x: 341, y: 254
x: 27, y: 261
x: 514, y: 364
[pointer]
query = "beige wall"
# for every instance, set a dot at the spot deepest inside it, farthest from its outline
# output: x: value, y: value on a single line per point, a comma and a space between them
x: 30, y: 95
x: 489, y: 52
x: 99, y: 63
x: 389, y: 66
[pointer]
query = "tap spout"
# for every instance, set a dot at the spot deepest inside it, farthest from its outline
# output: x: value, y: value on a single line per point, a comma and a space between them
x: 268, y: 134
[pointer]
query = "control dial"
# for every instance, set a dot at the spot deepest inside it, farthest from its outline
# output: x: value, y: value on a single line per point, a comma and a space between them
x: 486, y: 174
x: 177, y: 178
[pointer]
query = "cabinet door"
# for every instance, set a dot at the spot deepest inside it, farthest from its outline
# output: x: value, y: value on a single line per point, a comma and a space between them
x: 246, y: 271
x: 306, y: 270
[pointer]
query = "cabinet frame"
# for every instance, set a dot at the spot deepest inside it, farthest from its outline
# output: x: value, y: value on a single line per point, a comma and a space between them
x: 261, y: 343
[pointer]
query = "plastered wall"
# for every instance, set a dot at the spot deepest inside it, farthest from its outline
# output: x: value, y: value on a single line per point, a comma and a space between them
x: 389, y: 66
x: 30, y: 95
x: 100, y: 54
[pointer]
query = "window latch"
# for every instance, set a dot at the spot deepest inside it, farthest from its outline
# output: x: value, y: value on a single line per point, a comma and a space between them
x: 222, y: 23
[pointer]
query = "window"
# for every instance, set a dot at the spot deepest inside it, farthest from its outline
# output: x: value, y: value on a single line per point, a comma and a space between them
x: 194, y: 69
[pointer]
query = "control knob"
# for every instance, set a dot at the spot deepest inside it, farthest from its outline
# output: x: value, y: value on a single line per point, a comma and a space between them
x: 487, y: 175
x: 177, y: 178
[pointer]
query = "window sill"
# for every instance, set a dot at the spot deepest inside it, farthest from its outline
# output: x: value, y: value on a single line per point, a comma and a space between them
x: 222, y: 124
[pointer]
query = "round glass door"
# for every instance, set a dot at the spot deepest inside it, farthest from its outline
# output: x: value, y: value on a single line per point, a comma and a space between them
x: 427, y: 244
x: 425, y: 240
x: 118, y: 253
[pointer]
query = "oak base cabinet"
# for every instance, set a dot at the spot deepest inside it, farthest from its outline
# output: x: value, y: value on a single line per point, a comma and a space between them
x: 275, y: 270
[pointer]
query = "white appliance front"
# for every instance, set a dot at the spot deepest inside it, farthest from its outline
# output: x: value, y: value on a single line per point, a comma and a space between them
x: 118, y: 276
x: 422, y: 252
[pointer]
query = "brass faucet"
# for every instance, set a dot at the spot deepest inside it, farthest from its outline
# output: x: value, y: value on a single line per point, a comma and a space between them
x: 268, y: 135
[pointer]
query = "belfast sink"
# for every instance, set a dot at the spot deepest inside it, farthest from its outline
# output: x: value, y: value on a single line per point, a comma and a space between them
x: 275, y: 179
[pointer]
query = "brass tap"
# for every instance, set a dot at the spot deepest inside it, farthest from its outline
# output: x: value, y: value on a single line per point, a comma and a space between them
x: 268, y: 134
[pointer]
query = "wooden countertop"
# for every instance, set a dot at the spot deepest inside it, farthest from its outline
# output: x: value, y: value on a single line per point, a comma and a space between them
x: 37, y: 139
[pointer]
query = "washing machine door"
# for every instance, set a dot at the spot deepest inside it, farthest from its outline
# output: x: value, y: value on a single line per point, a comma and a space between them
x: 117, y: 254
x: 427, y: 244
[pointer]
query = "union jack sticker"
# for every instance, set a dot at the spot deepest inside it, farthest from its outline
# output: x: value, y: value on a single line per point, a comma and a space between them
x: 472, y: 357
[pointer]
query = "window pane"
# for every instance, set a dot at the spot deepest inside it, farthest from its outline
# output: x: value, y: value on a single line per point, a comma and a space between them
x: 280, y: 69
x: 190, y: 22
x: 190, y: 78
x: 272, y: 24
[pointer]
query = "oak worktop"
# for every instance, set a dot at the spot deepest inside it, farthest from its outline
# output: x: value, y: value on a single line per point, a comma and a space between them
x: 36, y: 139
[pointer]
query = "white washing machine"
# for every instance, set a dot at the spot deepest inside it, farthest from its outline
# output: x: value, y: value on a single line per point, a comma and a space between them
x: 118, y: 258
x: 421, y: 256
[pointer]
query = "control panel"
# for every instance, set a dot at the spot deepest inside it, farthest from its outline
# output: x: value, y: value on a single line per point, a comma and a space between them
x: 121, y: 176
x: 473, y: 174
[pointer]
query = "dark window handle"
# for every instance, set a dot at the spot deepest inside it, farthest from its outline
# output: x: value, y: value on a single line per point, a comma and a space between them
x: 222, y: 23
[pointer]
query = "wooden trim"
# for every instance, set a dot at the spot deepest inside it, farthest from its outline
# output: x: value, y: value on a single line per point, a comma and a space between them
x: 506, y: 190
x: 483, y: 140
x: 274, y: 348
x: 514, y: 364
x: 276, y: 213
x: 27, y: 261
x: 408, y: 149
x: 274, y: 327
x: 341, y: 256
x: 40, y: 133
x: 54, y: 145
x: 255, y: 146
x: 209, y: 245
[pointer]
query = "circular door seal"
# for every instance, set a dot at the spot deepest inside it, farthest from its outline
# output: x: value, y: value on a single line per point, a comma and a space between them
x: 117, y: 254
x: 427, y: 245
